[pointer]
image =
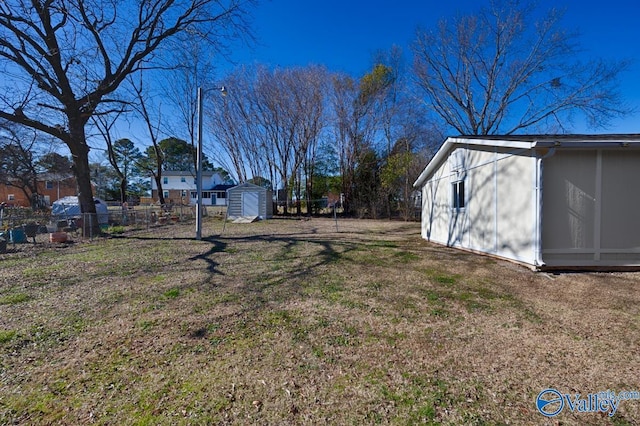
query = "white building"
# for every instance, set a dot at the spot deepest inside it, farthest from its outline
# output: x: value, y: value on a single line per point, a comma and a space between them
x: 180, y: 188
x: 549, y: 201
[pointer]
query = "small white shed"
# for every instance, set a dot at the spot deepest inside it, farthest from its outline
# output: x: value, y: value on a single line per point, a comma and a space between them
x: 69, y: 207
x: 549, y: 201
x: 249, y: 200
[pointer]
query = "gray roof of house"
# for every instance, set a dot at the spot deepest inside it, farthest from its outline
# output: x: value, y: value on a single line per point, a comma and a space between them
x: 590, y: 141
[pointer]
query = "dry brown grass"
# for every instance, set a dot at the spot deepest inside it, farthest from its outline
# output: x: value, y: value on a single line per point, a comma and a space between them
x: 291, y: 322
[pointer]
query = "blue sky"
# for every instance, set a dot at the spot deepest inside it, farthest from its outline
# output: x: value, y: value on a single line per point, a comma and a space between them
x: 343, y: 34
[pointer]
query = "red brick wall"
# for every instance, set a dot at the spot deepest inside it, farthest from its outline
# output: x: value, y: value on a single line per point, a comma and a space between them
x: 67, y: 187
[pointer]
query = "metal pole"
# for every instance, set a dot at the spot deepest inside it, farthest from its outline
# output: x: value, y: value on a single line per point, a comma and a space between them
x: 199, y: 170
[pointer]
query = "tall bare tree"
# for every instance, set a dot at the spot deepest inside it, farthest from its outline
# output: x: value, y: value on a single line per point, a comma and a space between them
x: 356, y: 106
x: 269, y: 124
x: 501, y: 70
x: 153, y: 162
x: 310, y: 86
x: 65, y: 60
x: 194, y: 69
x: 18, y: 160
x: 233, y: 122
x: 290, y: 111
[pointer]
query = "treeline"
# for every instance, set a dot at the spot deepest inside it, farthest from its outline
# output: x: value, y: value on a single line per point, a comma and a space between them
x: 505, y: 68
x: 308, y: 132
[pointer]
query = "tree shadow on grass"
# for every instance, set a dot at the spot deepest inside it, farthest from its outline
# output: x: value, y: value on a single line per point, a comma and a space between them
x: 219, y: 244
x: 208, y: 257
x: 327, y: 254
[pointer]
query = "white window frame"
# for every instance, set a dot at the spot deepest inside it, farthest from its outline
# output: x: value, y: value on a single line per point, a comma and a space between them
x: 458, y: 195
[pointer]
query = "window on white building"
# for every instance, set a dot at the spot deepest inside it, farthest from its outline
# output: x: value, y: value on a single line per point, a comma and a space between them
x: 458, y: 195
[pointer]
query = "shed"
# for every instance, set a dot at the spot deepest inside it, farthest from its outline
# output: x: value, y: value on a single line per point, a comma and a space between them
x: 548, y: 201
x: 69, y: 207
x: 249, y: 200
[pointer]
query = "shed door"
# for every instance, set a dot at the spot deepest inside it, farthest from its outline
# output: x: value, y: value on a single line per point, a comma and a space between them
x: 250, y: 205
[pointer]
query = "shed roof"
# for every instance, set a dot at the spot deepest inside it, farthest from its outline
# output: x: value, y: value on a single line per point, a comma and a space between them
x: 528, y: 142
x: 247, y: 185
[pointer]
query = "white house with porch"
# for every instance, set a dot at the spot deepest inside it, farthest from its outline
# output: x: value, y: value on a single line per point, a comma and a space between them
x: 179, y: 187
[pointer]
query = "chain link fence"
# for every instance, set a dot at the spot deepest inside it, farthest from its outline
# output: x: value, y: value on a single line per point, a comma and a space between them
x: 24, y: 225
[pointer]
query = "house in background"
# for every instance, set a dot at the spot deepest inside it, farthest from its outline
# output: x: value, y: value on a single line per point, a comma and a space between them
x: 548, y: 201
x: 51, y: 187
x: 180, y: 188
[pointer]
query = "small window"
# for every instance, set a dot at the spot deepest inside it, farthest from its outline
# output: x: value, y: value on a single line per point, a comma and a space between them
x: 165, y: 180
x: 49, y: 184
x: 221, y: 194
x: 183, y: 179
x: 11, y: 197
x: 165, y: 194
x: 194, y: 194
x: 184, y: 193
x: 458, y: 195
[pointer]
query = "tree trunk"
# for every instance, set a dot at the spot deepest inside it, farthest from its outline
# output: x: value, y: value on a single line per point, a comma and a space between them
x: 123, y: 190
x: 80, y: 153
x: 158, y: 179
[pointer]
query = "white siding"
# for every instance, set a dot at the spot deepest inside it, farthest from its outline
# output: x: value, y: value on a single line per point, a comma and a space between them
x: 174, y: 182
x: 500, y: 198
x: 515, y: 206
x: 435, y: 206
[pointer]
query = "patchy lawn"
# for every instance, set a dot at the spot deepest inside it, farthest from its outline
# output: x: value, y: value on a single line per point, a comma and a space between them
x: 295, y: 322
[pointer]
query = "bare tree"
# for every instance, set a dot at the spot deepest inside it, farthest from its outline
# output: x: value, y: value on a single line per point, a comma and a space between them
x: 194, y: 69
x: 154, y: 160
x: 277, y: 127
x: 104, y: 123
x: 233, y: 121
x: 18, y: 160
x: 270, y: 123
x: 503, y: 71
x: 355, y: 106
x: 290, y: 111
x: 65, y: 60
x: 310, y: 86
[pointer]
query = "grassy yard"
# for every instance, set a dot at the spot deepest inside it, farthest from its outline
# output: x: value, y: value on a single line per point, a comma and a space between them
x: 295, y: 322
